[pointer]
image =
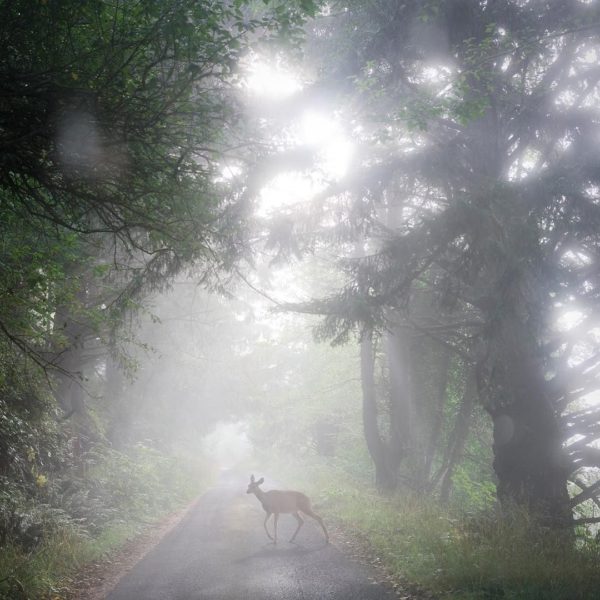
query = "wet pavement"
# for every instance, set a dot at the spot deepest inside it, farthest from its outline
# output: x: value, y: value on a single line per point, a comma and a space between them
x: 219, y: 551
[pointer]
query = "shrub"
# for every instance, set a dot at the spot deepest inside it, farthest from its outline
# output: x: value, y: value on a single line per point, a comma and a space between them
x: 84, y: 511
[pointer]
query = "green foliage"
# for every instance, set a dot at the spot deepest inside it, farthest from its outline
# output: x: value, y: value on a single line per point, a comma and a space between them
x: 472, y: 490
x: 115, y: 118
x: 32, y: 445
x: 86, y: 511
x: 61, y: 506
x: 138, y: 485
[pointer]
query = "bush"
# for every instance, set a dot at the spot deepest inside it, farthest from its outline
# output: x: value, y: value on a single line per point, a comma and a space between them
x: 83, y: 511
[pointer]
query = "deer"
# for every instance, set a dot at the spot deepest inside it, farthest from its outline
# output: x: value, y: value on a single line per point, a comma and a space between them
x: 276, y: 502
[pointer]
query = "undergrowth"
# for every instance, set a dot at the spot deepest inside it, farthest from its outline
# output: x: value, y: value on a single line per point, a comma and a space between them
x: 453, y: 552
x: 85, y: 513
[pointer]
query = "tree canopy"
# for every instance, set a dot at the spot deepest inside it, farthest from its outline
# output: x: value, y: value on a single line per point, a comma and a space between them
x: 471, y: 216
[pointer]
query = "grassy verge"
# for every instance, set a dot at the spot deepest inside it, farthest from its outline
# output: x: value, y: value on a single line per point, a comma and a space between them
x: 46, y: 572
x: 79, y: 520
x: 452, y: 553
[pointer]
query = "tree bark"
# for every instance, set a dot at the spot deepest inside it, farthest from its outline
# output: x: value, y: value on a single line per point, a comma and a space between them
x: 440, y: 366
x: 385, y: 478
x: 403, y: 421
x: 529, y: 460
x: 459, y: 436
x: 119, y: 426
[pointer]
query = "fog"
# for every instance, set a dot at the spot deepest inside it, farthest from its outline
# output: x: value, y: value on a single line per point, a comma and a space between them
x: 227, y: 375
x: 229, y: 378
x: 334, y: 260
x: 264, y: 368
x: 227, y: 445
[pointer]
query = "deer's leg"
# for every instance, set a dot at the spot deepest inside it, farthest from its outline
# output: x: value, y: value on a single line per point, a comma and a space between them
x: 276, y: 519
x: 317, y: 518
x: 265, y: 524
x: 300, y: 523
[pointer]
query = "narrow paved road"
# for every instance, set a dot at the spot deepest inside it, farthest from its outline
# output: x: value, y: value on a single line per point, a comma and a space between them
x: 219, y: 551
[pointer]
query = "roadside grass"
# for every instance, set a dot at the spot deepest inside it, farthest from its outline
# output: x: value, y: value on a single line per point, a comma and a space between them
x: 450, y: 552
x: 119, y: 496
x: 47, y: 571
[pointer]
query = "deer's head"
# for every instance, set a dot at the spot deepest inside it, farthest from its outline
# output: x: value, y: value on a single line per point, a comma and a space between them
x: 253, y: 485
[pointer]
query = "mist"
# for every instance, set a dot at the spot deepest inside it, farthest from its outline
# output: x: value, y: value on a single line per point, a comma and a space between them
x: 300, y: 300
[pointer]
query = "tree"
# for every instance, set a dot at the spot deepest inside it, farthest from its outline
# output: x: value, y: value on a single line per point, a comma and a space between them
x: 115, y: 120
x: 477, y: 123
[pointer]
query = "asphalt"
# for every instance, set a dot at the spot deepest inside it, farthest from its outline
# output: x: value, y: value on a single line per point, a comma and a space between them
x: 219, y: 551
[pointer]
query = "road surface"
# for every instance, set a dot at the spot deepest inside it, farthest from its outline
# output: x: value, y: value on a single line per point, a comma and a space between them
x: 219, y: 551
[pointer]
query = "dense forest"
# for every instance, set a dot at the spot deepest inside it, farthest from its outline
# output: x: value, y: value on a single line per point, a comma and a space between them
x: 351, y: 244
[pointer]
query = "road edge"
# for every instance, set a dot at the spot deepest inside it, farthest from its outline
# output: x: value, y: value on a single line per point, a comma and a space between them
x: 109, y: 570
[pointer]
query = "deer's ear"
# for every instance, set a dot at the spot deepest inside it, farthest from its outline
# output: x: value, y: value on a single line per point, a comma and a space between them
x: 261, y: 480
x: 251, y: 478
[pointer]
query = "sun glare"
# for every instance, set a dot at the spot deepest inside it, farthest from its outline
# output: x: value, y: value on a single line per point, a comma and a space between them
x: 325, y: 133
x: 569, y: 319
x: 285, y: 191
x: 319, y: 129
x: 270, y: 80
x: 334, y: 153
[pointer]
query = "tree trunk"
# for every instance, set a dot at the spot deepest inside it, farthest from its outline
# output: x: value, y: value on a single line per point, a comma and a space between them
x: 403, y: 421
x: 459, y: 436
x: 385, y: 477
x: 119, y: 426
x: 440, y: 368
x: 529, y: 460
